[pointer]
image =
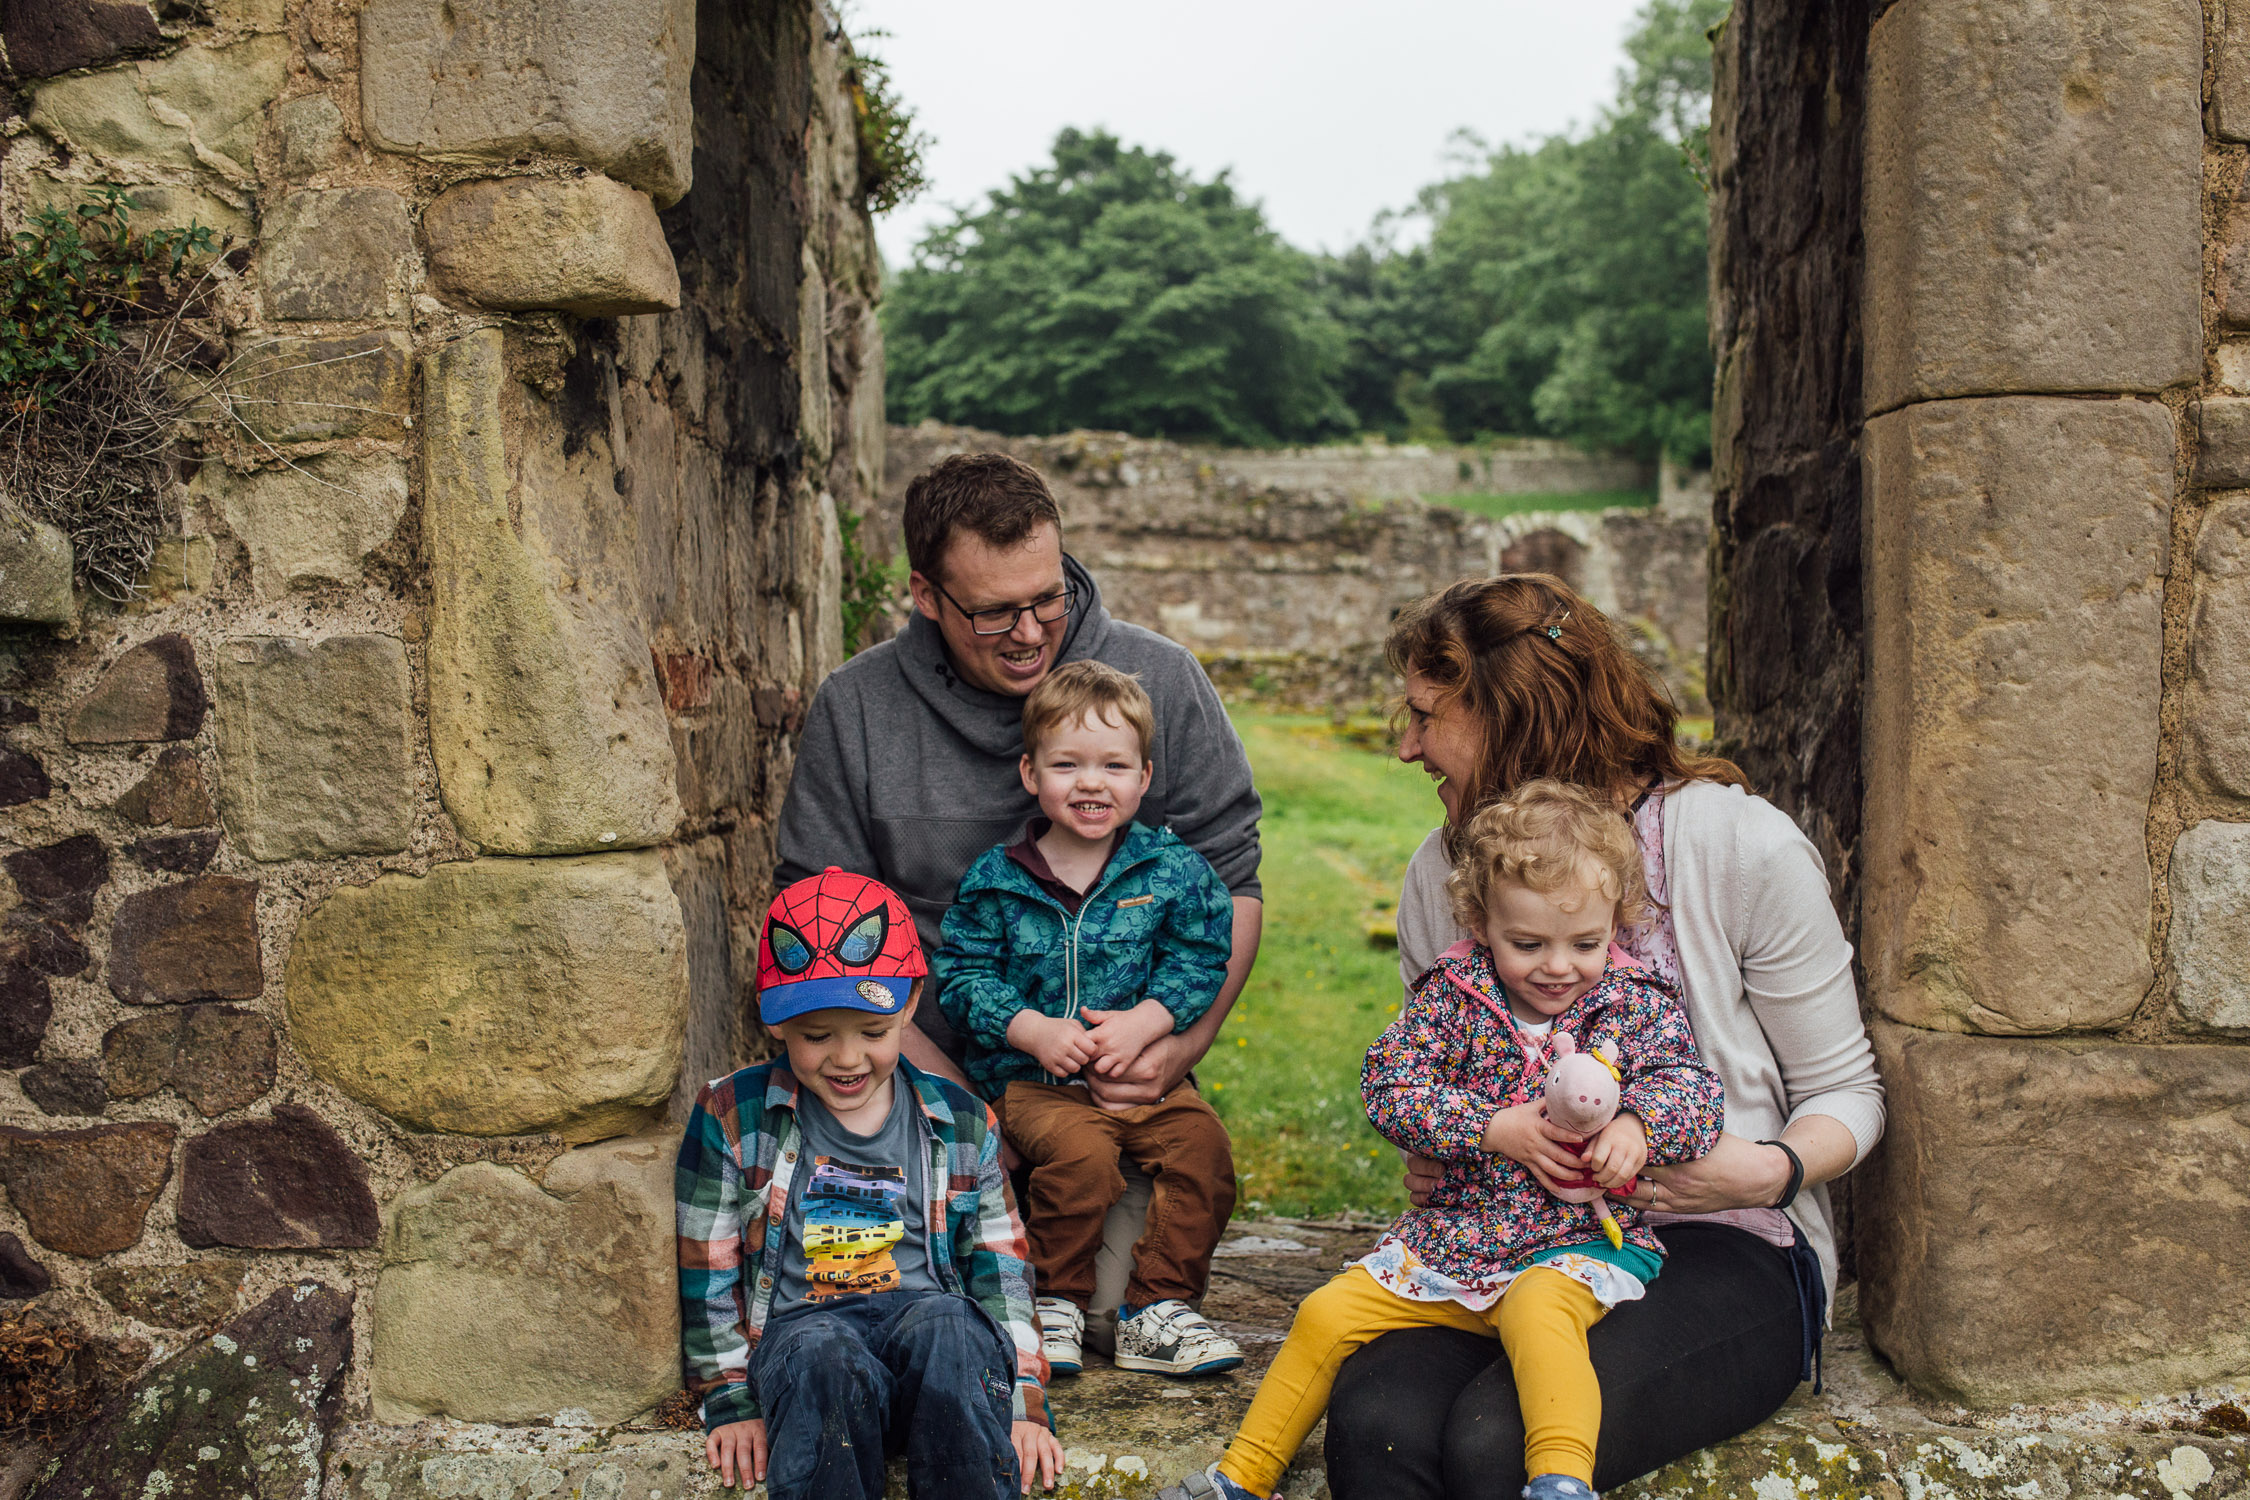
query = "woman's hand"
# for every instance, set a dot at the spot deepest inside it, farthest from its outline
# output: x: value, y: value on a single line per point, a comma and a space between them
x: 1737, y: 1174
x: 1523, y: 1133
x: 1059, y: 1046
x: 738, y: 1451
x: 1037, y: 1454
x: 1423, y: 1174
x: 1618, y: 1152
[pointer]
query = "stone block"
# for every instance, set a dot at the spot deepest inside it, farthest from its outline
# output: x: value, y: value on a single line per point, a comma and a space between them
x: 2017, y: 549
x: 21, y: 1275
x: 36, y: 941
x: 2154, y: 1145
x: 335, y: 253
x: 2215, y: 709
x: 519, y: 995
x: 292, y: 390
x: 61, y: 878
x: 85, y: 1192
x: 46, y: 37
x: 505, y: 1300
x: 2230, y: 80
x: 545, y: 720
x: 171, y: 793
x: 35, y: 563
x: 199, y: 1294
x: 179, y: 853
x: 245, y: 1412
x: 287, y: 1183
x: 316, y: 745
x: 603, y: 82
x: 216, y: 1057
x: 26, y: 1006
x: 2222, y: 442
x: 2210, y: 938
x: 586, y: 245
x: 152, y: 692
x: 198, y: 109
x: 22, y: 778
x: 2033, y: 209
x: 813, y: 417
x: 197, y: 940
x: 310, y: 132
x: 72, y: 1087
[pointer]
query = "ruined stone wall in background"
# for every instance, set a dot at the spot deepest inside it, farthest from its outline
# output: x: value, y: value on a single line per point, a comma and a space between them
x: 1220, y: 550
x: 2050, y: 871
x: 380, y: 881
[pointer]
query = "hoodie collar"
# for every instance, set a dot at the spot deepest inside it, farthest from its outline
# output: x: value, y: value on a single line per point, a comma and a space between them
x: 993, y: 722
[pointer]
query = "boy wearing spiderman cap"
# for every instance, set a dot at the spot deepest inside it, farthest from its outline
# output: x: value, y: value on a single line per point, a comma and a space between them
x: 853, y: 1274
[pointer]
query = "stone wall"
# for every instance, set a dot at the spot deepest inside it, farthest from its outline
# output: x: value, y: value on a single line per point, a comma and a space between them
x: 2021, y: 521
x: 1215, y: 550
x: 382, y: 880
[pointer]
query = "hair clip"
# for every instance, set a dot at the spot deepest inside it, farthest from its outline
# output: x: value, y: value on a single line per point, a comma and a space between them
x: 1554, y: 631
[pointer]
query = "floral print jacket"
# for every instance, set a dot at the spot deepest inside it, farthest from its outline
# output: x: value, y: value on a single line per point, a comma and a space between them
x: 1454, y: 1057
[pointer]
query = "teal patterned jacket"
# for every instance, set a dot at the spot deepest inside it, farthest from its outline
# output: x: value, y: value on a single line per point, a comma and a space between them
x: 1158, y: 925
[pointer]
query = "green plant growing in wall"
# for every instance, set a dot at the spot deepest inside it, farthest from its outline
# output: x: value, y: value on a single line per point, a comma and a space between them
x: 891, y: 166
x: 92, y: 329
x: 870, y: 584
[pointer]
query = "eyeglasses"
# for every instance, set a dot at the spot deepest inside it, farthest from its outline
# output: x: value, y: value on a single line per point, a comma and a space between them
x: 1002, y: 620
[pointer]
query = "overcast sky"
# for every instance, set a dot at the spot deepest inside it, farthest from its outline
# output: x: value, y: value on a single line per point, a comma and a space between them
x: 1328, y: 112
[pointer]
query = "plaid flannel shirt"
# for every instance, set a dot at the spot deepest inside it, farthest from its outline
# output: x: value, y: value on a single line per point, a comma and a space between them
x: 741, y: 1152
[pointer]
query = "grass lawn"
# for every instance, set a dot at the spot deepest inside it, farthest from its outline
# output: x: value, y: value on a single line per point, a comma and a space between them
x: 1516, y: 505
x: 1341, y: 821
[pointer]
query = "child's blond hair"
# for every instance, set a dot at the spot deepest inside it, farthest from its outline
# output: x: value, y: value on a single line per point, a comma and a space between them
x: 1084, y: 690
x: 1547, y: 836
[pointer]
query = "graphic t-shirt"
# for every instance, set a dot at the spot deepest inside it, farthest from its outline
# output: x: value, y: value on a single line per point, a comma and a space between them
x: 856, y: 1220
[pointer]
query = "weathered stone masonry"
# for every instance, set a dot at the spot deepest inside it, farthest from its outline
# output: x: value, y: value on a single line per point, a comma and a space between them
x: 2004, y: 485
x: 381, y: 882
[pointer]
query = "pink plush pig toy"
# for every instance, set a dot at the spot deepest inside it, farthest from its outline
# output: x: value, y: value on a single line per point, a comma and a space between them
x: 1582, y: 1094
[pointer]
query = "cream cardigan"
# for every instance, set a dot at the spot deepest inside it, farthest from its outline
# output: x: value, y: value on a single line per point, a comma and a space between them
x: 1769, y: 974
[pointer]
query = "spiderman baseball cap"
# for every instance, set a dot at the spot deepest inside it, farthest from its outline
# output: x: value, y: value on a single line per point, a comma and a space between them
x: 837, y: 941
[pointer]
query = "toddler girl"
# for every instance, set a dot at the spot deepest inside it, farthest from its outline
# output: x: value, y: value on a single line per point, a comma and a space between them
x: 1544, y: 878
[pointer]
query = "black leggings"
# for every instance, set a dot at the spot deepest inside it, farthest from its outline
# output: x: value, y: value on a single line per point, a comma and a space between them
x: 1713, y: 1350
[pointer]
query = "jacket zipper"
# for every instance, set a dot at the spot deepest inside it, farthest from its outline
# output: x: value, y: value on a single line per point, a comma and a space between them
x: 1070, y: 953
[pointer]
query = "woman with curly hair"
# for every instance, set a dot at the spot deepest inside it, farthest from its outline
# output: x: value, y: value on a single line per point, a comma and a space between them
x: 1516, y: 678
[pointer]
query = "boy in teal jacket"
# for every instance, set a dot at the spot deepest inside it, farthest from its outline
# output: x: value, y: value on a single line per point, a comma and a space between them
x: 1073, y: 949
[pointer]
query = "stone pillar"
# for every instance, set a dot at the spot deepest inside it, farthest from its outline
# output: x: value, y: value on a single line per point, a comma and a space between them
x: 2035, y: 1225
x: 507, y: 495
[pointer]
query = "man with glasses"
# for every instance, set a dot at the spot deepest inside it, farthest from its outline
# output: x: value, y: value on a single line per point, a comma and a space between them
x: 907, y: 768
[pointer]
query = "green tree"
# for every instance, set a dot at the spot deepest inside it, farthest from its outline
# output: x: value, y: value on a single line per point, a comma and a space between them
x: 1111, y: 289
x: 1562, y: 287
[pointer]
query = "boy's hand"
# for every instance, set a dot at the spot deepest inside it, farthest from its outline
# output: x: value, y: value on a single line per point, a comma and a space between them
x: 738, y: 1451
x: 1523, y: 1133
x: 1616, y: 1155
x: 1120, y: 1036
x: 1058, y: 1045
x: 1037, y: 1453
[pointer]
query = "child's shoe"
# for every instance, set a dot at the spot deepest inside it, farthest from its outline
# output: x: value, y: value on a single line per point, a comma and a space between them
x: 1558, y: 1487
x: 1062, y: 1335
x: 1171, y: 1338
x: 1208, y: 1485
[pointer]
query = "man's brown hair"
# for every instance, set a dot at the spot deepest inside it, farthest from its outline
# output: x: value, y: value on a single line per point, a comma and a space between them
x: 1000, y: 499
x: 1082, y: 690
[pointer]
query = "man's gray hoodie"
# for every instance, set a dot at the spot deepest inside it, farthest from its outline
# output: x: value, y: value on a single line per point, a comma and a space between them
x: 907, y: 773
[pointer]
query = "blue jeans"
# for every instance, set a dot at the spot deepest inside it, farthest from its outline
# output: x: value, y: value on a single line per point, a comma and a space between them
x: 844, y: 1384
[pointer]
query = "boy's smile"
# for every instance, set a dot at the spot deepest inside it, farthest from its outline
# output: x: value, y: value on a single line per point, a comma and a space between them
x: 1089, y: 777
x: 847, y: 1058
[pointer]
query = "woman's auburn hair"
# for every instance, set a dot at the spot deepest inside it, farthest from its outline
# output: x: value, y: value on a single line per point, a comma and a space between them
x: 1552, y: 686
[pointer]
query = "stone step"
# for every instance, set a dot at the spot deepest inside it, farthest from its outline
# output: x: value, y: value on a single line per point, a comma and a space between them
x: 1127, y: 1436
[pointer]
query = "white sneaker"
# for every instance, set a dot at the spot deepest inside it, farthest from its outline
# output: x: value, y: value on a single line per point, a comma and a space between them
x: 1062, y: 1335
x: 1171, y: 1338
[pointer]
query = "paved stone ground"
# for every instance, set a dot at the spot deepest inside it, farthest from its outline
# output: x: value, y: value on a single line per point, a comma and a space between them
x: 1127, y: 1435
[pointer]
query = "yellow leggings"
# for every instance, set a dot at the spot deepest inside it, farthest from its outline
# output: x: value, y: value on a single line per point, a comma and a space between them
x: 1541, y: 1322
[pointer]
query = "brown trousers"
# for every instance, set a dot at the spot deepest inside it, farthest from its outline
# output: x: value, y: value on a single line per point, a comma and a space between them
x: 1074, y: 1147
